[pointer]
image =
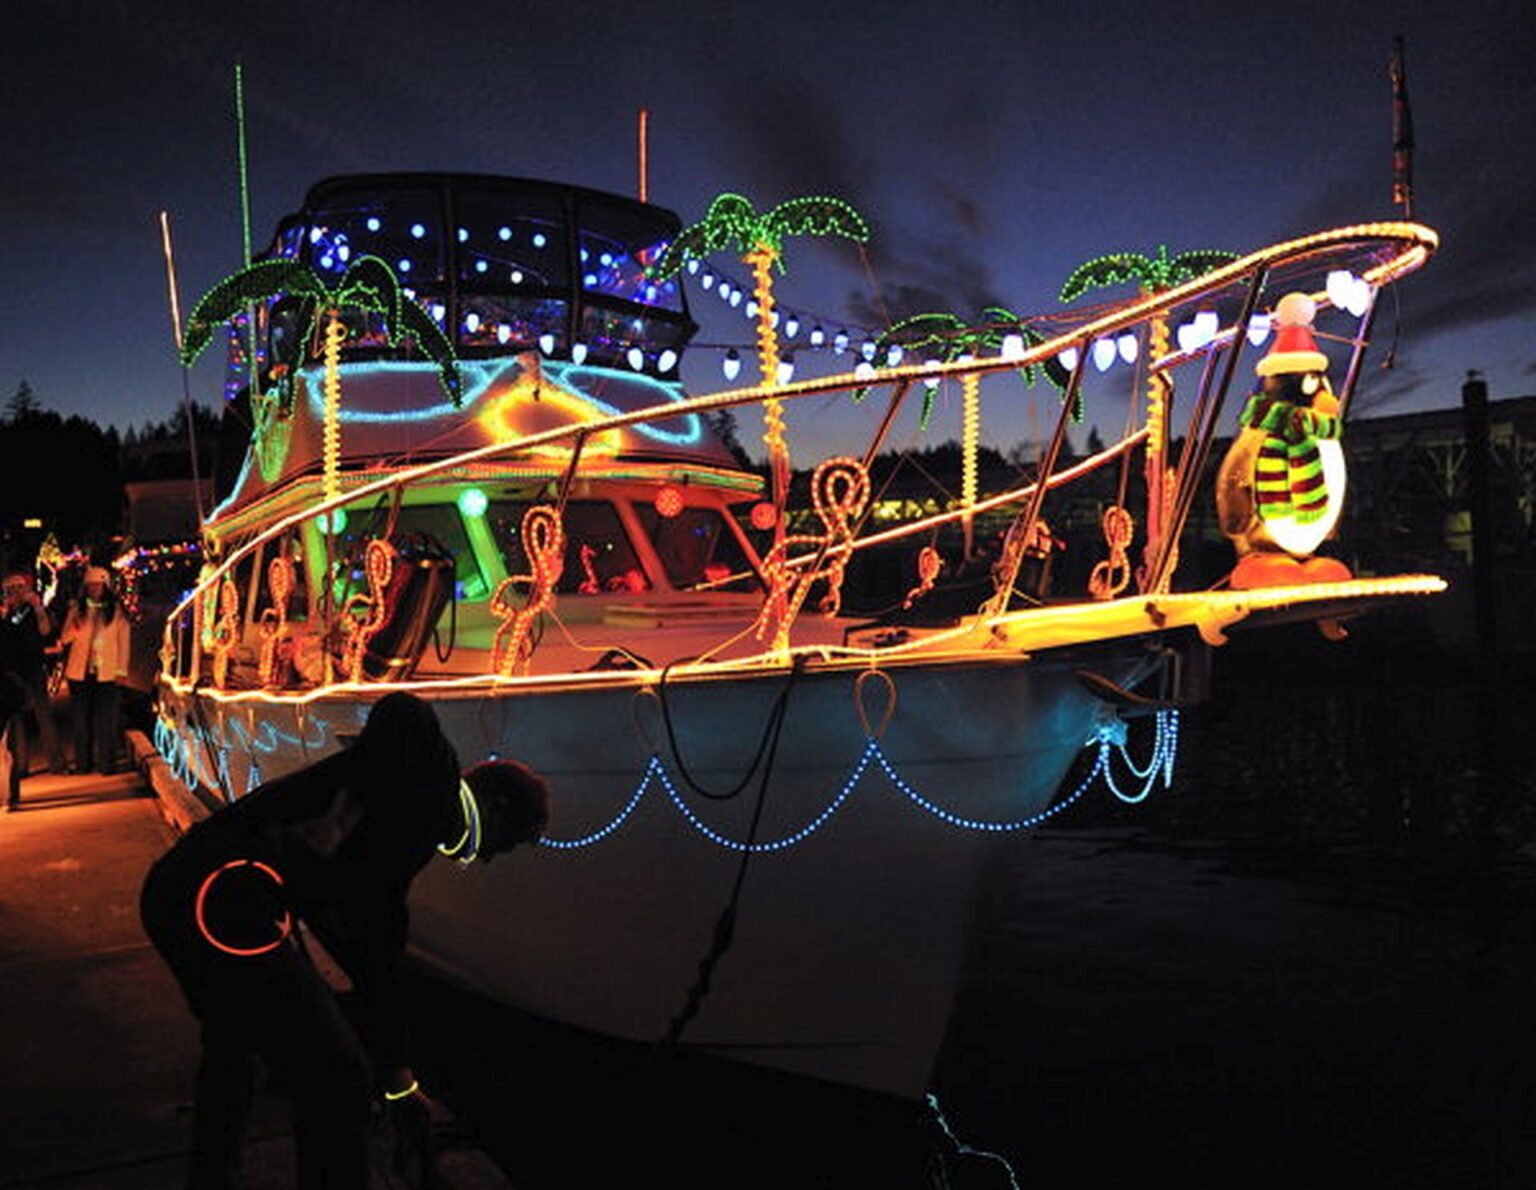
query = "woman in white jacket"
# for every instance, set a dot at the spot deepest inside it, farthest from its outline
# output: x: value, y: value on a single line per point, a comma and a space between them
x: 96, y: 635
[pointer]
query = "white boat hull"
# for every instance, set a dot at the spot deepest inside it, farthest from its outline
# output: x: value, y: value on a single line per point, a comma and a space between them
x: 849, y: 937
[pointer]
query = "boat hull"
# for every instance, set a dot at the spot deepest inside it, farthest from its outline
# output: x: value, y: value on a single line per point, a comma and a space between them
x: 856, y: 902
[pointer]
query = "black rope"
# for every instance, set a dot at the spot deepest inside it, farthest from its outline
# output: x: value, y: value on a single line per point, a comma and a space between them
x: 725, y: 925
x: 762, y: 745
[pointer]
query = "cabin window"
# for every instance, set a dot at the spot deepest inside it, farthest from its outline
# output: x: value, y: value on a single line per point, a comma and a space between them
x: 440, y: 524
x: 615, y: 248
x: 698, y: 550
x: 510, y: 242
x: 501, y: 322
x: 297, y: 609
x: 598, y: 556
x: 401, y: 227
x: 610, y: 333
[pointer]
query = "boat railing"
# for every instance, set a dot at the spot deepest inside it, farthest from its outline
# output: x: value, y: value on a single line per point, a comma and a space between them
x: 1390, y: 249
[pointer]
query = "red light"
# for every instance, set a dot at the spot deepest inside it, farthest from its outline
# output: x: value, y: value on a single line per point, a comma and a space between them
x: 284, y: 924
x: 669, y: 501
x: 764, y: 515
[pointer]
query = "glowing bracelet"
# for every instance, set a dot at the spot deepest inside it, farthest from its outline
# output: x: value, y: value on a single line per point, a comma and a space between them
x: 396, y: 1096
x: 284, y: 926
x: 468, y: 845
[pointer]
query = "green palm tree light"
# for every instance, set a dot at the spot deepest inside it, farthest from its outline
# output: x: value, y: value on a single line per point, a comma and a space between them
x: 368, y: 284
x: 1153, y: 274
x: 731, y: 221
x: 945, y: 337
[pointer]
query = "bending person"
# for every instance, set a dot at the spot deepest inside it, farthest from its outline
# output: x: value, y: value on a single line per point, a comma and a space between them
x: 333, y: 846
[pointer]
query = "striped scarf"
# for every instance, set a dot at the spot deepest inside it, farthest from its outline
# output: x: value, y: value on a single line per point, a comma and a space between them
x: 1288, y: 473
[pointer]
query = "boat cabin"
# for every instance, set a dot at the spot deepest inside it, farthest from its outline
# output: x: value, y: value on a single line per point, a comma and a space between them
x: 543, y: 291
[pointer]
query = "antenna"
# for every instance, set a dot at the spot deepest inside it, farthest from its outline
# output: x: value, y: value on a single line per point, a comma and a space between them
x: 245, y: 192
x: 1402, y: 133
x: 186, y: 388
x: 643, y: 136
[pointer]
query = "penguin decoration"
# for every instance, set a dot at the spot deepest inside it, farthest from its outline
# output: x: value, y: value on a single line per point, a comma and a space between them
x: 1281, y: 486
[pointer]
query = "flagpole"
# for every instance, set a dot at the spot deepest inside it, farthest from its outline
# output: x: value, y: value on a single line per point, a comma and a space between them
x: 186, y: 388
x: 1402, y: 133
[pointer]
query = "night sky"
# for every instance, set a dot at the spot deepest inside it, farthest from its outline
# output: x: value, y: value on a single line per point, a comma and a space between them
x: 992, y: 146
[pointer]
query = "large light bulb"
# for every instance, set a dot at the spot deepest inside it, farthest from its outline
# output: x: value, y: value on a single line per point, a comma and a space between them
x: 1341, y: 285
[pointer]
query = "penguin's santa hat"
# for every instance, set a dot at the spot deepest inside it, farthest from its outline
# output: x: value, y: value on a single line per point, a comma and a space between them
x: 1294, y: 348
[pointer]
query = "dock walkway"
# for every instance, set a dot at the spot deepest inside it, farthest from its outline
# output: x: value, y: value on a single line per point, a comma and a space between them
x: 98, y: 1045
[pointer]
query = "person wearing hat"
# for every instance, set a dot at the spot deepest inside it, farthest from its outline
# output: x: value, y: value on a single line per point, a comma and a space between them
x: 1280, y: 488
x: 316, y: 864
x: 96, y: 636
x: 24, y: 630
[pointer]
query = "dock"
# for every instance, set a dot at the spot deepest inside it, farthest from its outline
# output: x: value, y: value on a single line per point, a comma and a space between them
x: 99, y: 1045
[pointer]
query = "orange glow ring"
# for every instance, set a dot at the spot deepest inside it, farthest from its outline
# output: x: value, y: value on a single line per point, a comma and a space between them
x: 284, y: 926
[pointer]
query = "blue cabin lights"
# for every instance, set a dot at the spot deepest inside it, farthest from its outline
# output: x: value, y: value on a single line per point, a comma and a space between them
x: 498, y: 262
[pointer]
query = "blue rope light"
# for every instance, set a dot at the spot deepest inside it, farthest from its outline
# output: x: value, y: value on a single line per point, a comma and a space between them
x: 653, y: 768
x: 805, y: 832
x: 1160, y: 766
x: 177, y: 748
x: 964, y: 1149
x: 480, y: 377
x: 974, y: 824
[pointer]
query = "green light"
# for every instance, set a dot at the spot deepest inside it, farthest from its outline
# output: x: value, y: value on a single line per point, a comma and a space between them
x: 325, y: 521
x: 731, y: 219
x: 1153, y: 273
x: 473, y: 502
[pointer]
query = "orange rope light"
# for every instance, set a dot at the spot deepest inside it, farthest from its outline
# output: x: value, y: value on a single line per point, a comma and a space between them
x: 274, y: 620
x: 929, y: 563
x: 839, y: 494
x: 543, y: 539
x: 225, y: 631
x: 379, y: 567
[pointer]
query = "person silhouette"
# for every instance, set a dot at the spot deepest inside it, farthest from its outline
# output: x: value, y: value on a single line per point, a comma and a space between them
x: 328, y: 852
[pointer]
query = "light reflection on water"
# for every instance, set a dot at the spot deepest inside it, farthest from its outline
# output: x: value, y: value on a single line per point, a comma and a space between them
x: 1311, y: 963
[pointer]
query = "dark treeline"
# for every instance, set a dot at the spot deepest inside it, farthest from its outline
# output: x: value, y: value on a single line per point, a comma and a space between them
x: 67, y: 473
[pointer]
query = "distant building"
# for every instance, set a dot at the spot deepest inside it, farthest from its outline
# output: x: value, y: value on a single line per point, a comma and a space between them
x: 166, y: 509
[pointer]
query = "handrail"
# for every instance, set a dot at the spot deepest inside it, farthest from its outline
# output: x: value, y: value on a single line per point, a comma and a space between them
x: 1415, y: 242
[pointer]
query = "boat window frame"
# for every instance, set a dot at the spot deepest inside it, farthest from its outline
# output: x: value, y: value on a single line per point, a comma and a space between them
x: 291, y: 241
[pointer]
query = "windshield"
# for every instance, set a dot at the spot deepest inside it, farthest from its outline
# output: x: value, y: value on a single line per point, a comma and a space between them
x: 698, y: 549
x: 598, y: 555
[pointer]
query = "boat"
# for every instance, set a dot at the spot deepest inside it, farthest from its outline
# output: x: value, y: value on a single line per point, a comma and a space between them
x: 474, y: 473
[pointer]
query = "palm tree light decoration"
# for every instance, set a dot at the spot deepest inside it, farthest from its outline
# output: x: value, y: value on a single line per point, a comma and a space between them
x: 368, y: 284
x: 731, y: 220
x: 943, y: 338
x: 1154, y: 274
